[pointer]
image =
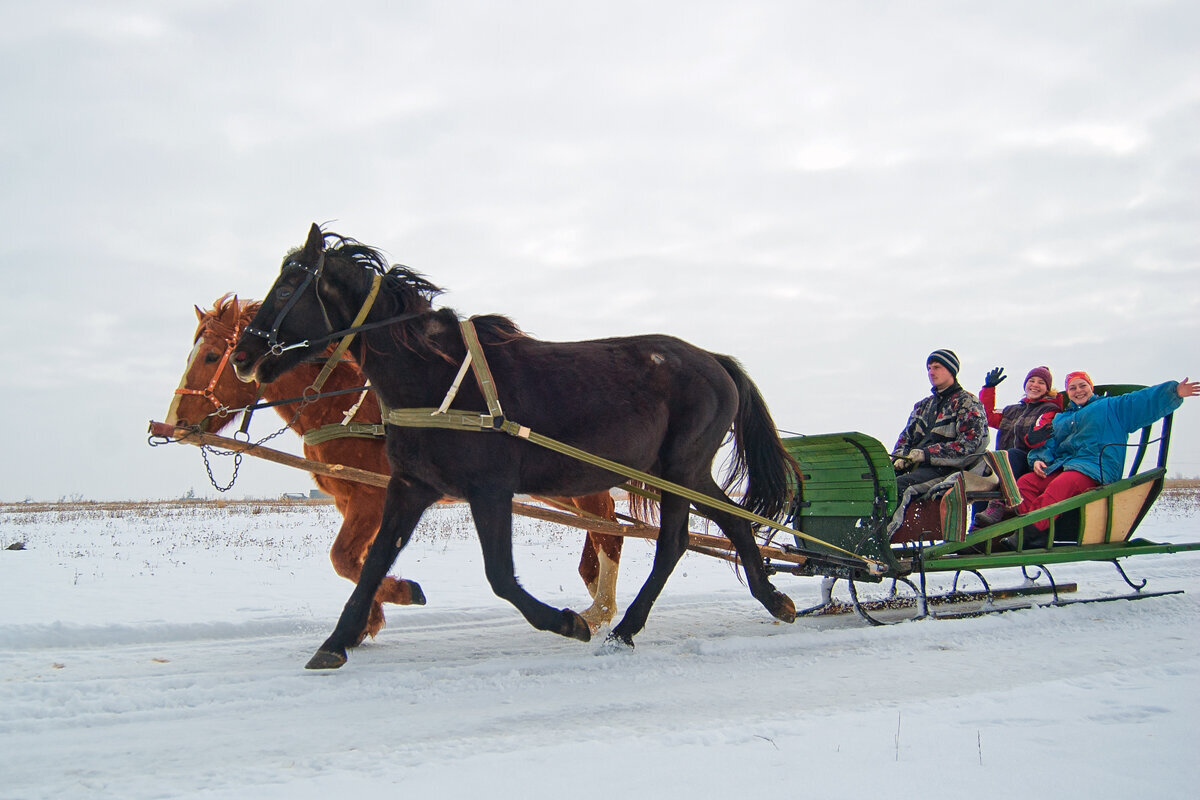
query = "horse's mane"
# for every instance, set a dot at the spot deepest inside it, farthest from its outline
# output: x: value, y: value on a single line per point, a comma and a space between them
x: 214, y: 319
x: 497, y: 329
x: 409, y: 287
x: 406, y: 290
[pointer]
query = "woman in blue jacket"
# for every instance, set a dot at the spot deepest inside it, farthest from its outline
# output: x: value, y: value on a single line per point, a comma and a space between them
x: 1087, y: 448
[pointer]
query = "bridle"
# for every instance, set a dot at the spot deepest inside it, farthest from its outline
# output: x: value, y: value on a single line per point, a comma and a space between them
x: 311, y: 276
x: 208, y: 392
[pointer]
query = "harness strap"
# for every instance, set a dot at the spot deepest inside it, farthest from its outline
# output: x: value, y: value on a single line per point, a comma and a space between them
x: 494, y: 420
x: 338, y: 430
x: 483, y: 373
x: 248, y: 414
x: 344, y: 344
x: 458, y: 379
x: 348, y: 416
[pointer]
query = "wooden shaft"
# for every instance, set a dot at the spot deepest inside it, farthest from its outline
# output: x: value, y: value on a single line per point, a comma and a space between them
x: 637, y: 530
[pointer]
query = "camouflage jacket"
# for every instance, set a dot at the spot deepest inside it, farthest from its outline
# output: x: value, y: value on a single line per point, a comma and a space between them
x: 950, y: 426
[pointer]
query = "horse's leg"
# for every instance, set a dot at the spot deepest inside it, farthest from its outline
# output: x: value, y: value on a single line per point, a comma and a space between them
x: 600, y: 561
x: 672, y: 543
x: 362, y: 512
x: 493, y: 522
x: 406, y: 502
x: 605, y: 552
x: 737, y: 530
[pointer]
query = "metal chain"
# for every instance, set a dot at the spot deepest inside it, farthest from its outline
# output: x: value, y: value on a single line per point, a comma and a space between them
x: 237, y: 455
x: 237, y: 464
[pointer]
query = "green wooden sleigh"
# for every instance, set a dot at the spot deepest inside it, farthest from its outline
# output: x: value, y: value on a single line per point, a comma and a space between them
x: 848, y: 499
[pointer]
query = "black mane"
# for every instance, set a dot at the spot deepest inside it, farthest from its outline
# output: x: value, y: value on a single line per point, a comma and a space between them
x: 497, y: 329
x: 397, y: 279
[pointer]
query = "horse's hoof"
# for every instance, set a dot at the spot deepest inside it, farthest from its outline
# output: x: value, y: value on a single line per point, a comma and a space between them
x: 597, y: 617
x: 783, y: 608
x: 416, y: 597
x: 325, y: 659
x: 575, y: 626
x: 614, y: 643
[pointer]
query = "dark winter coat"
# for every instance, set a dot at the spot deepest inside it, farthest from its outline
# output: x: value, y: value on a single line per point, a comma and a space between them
x: 1013, y: 423
x: 949, y: 426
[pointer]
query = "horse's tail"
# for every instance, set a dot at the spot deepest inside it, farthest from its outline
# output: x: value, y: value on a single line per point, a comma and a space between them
x: 759, y: 458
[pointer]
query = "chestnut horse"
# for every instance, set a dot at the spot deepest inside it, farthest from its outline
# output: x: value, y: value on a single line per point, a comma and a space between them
x: 209, y: 385
x: 654, y: 404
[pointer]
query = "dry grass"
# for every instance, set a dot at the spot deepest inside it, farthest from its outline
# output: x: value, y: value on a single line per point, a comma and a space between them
x: 151, y: 506
x: 1177, y: 488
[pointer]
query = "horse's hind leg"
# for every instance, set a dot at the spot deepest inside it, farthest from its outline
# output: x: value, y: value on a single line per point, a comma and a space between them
x: 405, y: 505
x: 672, y: 542
x: 600, y: 561
x: 602, y: 552
x: 738, y: 531
x: 493, y: 523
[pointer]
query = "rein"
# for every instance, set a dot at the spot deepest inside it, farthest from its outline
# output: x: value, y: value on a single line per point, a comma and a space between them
x: 447, y: 418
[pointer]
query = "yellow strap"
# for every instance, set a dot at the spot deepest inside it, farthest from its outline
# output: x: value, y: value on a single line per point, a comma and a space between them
x: 483, y: 373
x: 470, y: 420
x: 332, y: 362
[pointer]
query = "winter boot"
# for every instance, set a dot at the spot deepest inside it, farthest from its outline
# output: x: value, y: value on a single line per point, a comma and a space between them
x: 994, y: 512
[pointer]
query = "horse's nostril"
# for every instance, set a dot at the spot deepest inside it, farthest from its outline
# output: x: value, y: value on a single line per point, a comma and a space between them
x: 239, y: 356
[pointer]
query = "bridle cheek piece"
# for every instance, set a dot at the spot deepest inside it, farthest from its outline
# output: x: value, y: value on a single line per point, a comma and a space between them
x: 208, y: 392
x: 311, y: 276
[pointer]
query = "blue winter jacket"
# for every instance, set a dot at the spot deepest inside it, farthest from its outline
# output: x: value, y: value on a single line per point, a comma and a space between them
x: 1080, y: 432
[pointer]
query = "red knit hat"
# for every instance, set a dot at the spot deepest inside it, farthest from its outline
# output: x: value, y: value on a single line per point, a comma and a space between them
x: 1079, y: 374
x: 1043, y: 373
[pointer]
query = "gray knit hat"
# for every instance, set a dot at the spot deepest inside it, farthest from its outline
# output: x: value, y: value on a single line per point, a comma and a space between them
x: 946, y: 358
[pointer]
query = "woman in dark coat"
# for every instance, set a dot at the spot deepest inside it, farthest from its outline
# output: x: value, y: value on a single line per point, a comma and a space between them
x: 1015, y: 422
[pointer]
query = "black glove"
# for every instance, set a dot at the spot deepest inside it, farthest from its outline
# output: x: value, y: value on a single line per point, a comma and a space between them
x: 994, y: 378
x: 1039, y: 436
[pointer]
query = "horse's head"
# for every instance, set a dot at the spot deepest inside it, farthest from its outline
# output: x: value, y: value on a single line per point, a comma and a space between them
x: 209, y: 385
x: 317, y: 297
x: 301, y: 310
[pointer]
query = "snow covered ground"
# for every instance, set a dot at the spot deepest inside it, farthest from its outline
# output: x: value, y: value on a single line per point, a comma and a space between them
x: 158, y: 652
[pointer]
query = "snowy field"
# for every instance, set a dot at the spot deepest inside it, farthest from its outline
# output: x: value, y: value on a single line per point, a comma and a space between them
x: 158, y: 651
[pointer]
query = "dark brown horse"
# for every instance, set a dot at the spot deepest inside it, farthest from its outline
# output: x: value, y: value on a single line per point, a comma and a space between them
x: 651, y: 403
x: 210, y: 385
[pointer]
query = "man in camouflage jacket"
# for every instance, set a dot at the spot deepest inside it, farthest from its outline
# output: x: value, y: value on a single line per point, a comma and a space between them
x: 947, y: 432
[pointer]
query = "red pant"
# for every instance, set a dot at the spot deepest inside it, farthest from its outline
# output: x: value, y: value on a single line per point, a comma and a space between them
x: 1038, y: 492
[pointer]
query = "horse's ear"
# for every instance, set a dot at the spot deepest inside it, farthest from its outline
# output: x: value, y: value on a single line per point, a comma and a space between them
x: 234, y: 307
x: 199, y: 313
x: 314, y: 245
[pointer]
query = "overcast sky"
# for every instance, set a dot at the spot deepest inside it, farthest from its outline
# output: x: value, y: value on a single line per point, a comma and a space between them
x: 827, y: 191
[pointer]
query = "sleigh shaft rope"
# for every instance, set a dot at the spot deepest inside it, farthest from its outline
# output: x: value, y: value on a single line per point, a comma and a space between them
x: 494, y: 420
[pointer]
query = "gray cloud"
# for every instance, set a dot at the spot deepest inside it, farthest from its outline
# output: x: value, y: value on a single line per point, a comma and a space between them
x: 827, y: 192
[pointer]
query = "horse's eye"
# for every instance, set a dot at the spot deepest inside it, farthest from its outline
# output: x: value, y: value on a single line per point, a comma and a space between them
x: 211, y: 357
x: 283, y: 292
